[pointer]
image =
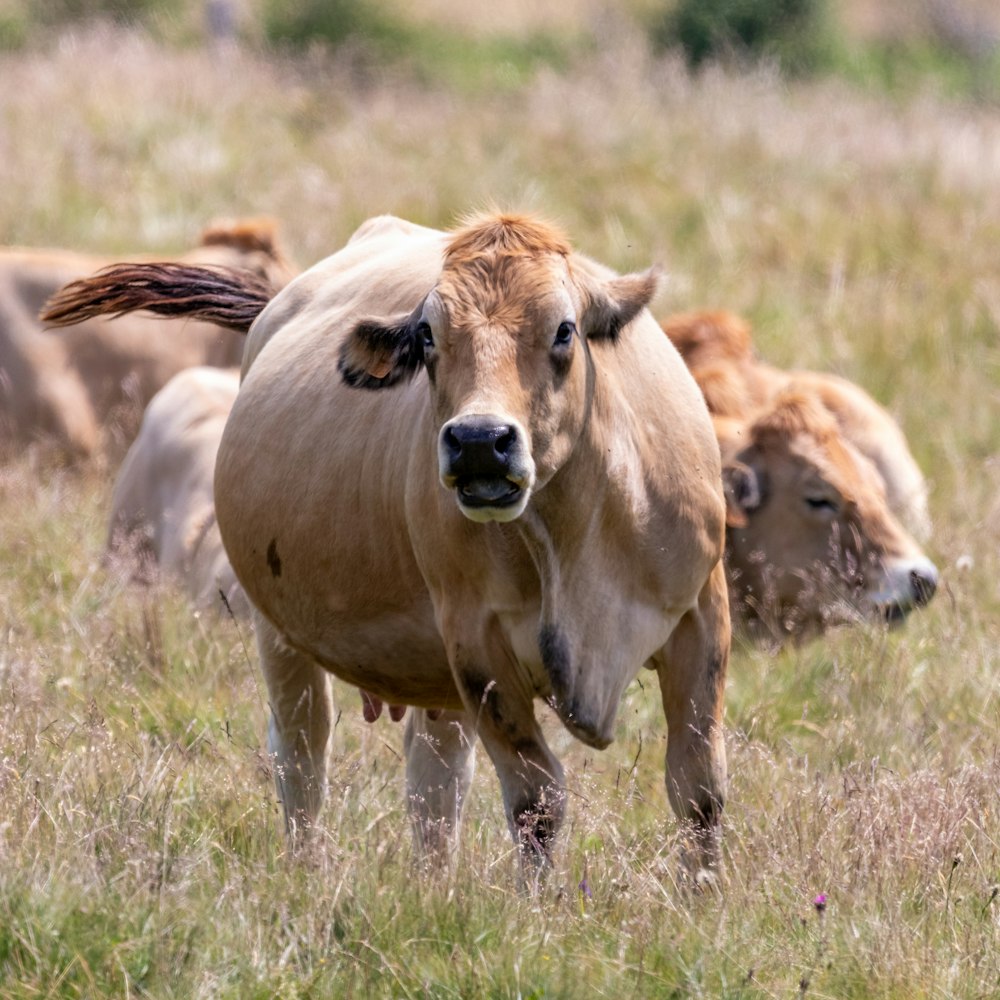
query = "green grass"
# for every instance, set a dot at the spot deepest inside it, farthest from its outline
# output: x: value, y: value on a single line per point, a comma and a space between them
x: 141, y: 845
x: 904, y: 66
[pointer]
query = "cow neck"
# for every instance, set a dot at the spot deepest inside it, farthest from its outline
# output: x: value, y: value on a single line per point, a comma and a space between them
x: 565, y: 530
x: 562, y: 516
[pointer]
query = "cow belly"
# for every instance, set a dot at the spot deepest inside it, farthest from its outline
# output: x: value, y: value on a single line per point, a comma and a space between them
x: 398, y: 657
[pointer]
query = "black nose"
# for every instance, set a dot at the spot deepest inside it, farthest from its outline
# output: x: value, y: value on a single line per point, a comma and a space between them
x: 478, y: 447
x: 924, y: 582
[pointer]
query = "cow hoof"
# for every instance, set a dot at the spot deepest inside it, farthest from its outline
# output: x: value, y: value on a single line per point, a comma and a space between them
x: 706, y: 882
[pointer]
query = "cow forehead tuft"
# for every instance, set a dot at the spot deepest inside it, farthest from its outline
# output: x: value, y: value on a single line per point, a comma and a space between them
x: 793, y: 413
x: 796, y: 414
x: 504, y: 233
x: 509, y: 290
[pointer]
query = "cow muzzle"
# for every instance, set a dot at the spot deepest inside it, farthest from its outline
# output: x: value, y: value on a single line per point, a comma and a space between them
x: 907, y: 584
x: 486, y: 461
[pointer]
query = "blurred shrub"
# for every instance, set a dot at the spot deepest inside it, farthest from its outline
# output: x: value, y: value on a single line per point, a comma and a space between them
x: 795, y: 32
x: 13, y: 31
x: 302, y: 22
x: 25, y: 21
x: 56, y: 12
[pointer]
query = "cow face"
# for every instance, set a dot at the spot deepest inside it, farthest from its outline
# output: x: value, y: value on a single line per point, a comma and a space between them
x: 810, y: 535
x: 503, y: 339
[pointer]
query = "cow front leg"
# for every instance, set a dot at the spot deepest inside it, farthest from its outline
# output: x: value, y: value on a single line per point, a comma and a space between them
x: 692, y: 674
x: 531, y: 778
x: 440, y: 761
x: 298, y: 691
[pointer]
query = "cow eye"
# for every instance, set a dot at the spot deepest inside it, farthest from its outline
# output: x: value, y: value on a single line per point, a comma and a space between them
x: 564, y: 334
x: 425, y: 335
x: 822, y: 503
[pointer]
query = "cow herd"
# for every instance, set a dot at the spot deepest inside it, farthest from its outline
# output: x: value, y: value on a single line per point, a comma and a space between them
x: 463, y: 471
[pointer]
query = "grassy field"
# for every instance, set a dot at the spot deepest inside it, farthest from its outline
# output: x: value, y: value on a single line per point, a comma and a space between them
x: 141, y: 851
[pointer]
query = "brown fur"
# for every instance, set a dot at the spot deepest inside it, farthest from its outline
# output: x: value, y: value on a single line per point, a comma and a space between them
x: 707, y: 338
x: 245, y: 235
x: 725, y: 391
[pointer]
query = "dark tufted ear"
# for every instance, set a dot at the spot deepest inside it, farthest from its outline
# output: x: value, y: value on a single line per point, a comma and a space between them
x: 378, y: 353
x: 615, y: 303
x: 744, y: 492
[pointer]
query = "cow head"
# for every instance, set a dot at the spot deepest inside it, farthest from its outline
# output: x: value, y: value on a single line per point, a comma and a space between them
x: 503, y: 339
x: 810, y: 533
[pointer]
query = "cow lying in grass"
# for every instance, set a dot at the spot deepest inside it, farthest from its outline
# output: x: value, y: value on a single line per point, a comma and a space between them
x: 72, y: 389
x: 464, y: 471
x: 717, y: 348
x: 819, y: 485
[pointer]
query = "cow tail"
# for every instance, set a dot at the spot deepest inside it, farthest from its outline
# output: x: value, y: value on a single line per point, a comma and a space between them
x: 224, y: 296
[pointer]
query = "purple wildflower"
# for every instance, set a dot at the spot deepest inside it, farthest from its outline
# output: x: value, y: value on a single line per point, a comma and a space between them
x: 820, y: 902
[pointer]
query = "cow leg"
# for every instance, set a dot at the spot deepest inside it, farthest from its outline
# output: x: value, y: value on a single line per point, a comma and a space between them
x: 298, y: 692
x: 692, y: 673
x: 440, y: 761
x: 531, y: 777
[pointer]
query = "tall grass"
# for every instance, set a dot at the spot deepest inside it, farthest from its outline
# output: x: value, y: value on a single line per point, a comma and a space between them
x: 140, y: 843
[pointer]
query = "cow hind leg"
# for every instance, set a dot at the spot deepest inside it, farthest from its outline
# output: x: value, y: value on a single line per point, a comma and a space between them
x: 299, y: 731
x: 440, y: 761
x: 692, y: 674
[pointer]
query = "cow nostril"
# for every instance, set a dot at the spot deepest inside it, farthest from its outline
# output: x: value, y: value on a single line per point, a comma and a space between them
x: 505, y: 440
x: 924, y: 584
x: 452, y: 443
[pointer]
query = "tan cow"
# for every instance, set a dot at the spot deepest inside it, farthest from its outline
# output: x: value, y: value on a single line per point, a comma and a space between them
x: 162, y: 509
x: 71, y: 388
x: 467, y: 470
x: 718, y: 349
x: 811, y: 539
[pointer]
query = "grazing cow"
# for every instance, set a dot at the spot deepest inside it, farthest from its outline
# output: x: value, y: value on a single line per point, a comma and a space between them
x: 71, y: 388
x: 797, y: 557
x: 463, y: 471
x: 718, y: 349
x: 811, y: 539
x: 162, y: 508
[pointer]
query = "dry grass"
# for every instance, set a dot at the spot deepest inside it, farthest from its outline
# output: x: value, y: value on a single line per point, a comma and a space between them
x: 140, y: 847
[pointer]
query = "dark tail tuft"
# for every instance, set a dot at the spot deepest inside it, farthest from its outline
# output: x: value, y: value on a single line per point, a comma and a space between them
x: 223, y: 296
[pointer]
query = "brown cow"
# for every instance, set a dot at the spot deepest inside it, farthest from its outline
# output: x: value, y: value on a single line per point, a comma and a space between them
x: 162, y: 508
x: 70, y: 388
x: 811, y: 539
x: 718, y: 349
x: 467, y: 470
x: 786, y: 551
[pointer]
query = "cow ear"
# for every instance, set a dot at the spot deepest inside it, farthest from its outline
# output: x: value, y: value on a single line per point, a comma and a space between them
x: 744, y: 492
x: 618, y: 302
x: 377, y: 353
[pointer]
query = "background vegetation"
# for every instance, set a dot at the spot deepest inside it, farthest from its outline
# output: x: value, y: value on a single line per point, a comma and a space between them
x: 854, y: 216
